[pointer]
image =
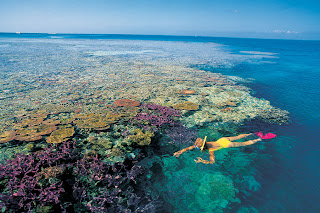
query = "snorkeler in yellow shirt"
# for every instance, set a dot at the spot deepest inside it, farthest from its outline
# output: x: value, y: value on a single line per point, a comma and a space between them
x: 225, y: 142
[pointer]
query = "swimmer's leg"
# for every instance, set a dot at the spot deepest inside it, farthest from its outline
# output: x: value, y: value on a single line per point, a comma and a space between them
x: 238, y: 137
x: 247, y: 143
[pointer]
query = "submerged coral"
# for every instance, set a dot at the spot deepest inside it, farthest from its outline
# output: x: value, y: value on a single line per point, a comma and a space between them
x: 181, y: 135
x: 28, y: 181
x: 187, y: 105
x: 158, y: 115
x: 60, y: 135
x: 126, y: 102
x: 41, y: 180
x: 7, y: 136
x: 108, y: 188
x: 187, y: 92
x: 120, y: 109
x: 141, y: 138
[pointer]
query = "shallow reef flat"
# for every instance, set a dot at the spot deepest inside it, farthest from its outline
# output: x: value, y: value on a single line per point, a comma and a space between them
x: 119, y: 113
x: 41, y: 103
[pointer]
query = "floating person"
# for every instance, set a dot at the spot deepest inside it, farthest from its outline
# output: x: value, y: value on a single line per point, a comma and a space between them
x: 225, y: 142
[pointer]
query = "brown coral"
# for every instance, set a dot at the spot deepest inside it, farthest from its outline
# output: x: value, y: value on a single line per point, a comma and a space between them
x: 126, y: 102
x: 128, y: 112
x: 187, y: 105
x: 229, y: 103
x: 95, y: 121
x: 27, y: 134
x: 51, y: 172
x: 187, y: 92
x: 60, y: 135
x: 7, y: 136
x: 31, y: 122
x: 45, y: 129
x: 33, y: 129
x: 51, y: 122
x: 228, y: 109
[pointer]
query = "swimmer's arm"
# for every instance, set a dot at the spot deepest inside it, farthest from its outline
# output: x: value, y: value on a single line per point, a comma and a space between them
x: 178, y: 153
x: 247, y: 143
x: 212, y: 159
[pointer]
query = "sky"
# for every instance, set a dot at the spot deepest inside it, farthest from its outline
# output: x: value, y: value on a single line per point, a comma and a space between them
x: 285, y: 19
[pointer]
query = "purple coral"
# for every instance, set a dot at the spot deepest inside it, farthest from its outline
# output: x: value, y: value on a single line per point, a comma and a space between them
x: 158, y: 115
x: 49, y: 176
x: 165, y: 111
x: 106, y: 188
x: 25, y: 188
x: 182, y: 136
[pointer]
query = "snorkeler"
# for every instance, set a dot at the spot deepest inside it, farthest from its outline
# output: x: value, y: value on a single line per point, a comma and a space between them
x: 225, y: 142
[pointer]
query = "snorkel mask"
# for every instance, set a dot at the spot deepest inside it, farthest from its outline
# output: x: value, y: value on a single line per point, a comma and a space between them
x: 204, y: 142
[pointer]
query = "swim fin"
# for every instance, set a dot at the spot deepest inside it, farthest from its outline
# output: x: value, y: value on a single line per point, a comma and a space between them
x: 266, y: 136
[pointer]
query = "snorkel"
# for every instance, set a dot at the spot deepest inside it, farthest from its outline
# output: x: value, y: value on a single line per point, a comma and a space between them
x: 204, y: 142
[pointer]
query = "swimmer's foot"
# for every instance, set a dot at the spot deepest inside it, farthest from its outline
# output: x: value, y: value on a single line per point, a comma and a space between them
x: 266, y: 136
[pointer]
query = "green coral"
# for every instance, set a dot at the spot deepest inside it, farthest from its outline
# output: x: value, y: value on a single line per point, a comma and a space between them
x: 117, y: 152
x: 97, y: 143
x: 249, y: 209
x: 140, y: 137
x: 217, y: 186
x: 100, y: 142
x: 216, y: 191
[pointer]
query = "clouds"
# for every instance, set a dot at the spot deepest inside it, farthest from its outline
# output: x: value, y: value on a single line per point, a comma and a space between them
x: 285, y: 31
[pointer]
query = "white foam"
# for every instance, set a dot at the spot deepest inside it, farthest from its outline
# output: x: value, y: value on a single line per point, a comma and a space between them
x: 258, y: 53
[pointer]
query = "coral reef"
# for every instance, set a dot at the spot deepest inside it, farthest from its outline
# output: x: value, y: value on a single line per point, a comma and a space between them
x: 7, y: 136
x: 141, y: 138
x: 181, y: 135
x: 95, y: 121
x: 126, y: 102
x: 42, y: 179
x: 60, y: 135
x: 187, y: 105
x: 187, y: 92
x: 28, y: 181
x: 107, y: 188
x: 274, y: 115
x: 158, y: 115
x: 122, y: 112
x: 217, y: 191
x: 218, y: 187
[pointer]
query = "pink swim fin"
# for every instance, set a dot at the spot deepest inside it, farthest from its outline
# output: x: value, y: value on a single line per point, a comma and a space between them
x: 266, y: 136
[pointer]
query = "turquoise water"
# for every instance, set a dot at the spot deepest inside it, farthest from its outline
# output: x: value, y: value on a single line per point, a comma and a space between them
x: 290, y: 82
x: 284, y: 172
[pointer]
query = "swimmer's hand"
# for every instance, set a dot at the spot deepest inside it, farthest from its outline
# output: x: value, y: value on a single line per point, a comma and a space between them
x: 177, y: 154
x: 200, y: 160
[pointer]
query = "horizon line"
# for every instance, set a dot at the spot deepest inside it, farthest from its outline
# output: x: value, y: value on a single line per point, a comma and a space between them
x: 169, y: 35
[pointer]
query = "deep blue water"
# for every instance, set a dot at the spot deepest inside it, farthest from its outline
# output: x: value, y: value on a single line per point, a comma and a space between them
x: 291, y: 81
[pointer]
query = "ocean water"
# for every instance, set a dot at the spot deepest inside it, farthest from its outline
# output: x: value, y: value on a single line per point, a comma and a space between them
x: 290, y: 81
x: 280, y: 175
